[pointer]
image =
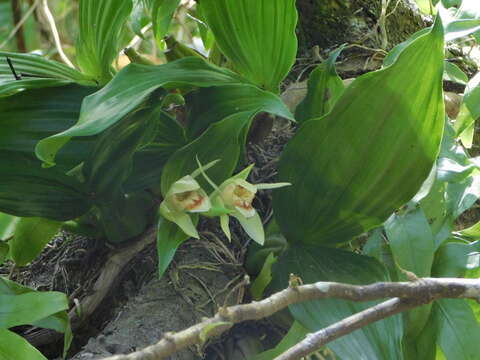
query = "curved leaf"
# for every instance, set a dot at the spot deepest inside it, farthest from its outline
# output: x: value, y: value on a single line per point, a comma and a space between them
x: 32, y: 115
x: 209, y: 105
x: 28, y: 190
x: 101, y: 25
x: 31, y: 236
x: 35, y: 72
x: 324, y: 89
x: 350, y: 170
x: 380, y: 340
x: 162, y: 13
x: 14, y: 346
x: 129, y: 89
x: 257, y: 36
x: 7, y: 225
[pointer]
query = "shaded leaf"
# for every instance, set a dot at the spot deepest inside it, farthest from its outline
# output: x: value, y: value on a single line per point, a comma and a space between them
x: 348, y: 169
x: 129, y: 89
x: 257, y: 36
x: 162, y: 13
x: 380, y: 340
x: 458, y: 333
x: 324, y: 89
x: 35, y: 114
x: 453, y: 259
x: 28, y: 190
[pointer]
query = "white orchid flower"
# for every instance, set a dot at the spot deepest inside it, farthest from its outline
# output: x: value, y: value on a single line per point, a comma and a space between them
x: 186, y: 196
x: 236, y: 195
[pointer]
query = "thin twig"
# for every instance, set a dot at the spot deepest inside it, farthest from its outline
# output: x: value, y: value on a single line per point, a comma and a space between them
x: 344, y: 327
x: 20, y: 23
x: 56, y: 37
x: 423, y: 291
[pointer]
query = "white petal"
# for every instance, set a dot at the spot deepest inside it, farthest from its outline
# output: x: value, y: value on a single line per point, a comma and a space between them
x: 186, y: 183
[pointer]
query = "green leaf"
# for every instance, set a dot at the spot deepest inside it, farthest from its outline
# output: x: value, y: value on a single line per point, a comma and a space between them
x: 111, y: 161
x: 411, y: 241
x: 30, y: 307
x: 458, y: 332
x: 4, y: 250
x: 7, y: 226
x: 220, y: 141
x: 469, y: 112
x: 31, y: 236
x: 380, y: 340
x: 257, y: 36
x: 393, y: 54
x: 38, y: 113
x: 296, y: 334
x: 148, y: 162
x: 58, y: 321
x: 455, y: 74
x: 209, y: 105
x: 101, y: 26
x: 453, y: 259
x: 162, y: 13
x: 472, y: 231
x: 14, y: 346
x: 324, y: 89
x: 46, y: 73
x: 169, y: 238
x: 28, y: 190
x: 413, y: 247
x: 263, y: 279
x: 348, y: 169
x: 130, y: 87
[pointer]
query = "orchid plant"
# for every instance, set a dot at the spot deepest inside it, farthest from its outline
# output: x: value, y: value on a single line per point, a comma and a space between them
x: 234, y: 197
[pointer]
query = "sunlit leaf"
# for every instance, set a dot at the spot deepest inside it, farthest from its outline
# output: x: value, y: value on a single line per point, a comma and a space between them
x: 453, y: 259
x: 349, y: 170
x: 101, y: 25
x: 31, y: 236
x: 7, y: 225
x: 162, y: 13
x: 324, y: 89
x: 14, y: 346
x: 469, y: 112
x: 46, y: 73
x: 454, y: 73
x: 129, y: 89
x: 257, y: 36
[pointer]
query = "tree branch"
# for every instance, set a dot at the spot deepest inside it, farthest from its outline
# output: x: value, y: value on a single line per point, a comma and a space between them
x: 406, y: 296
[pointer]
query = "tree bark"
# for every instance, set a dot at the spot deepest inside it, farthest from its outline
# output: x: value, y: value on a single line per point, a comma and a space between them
x: 328, y: 23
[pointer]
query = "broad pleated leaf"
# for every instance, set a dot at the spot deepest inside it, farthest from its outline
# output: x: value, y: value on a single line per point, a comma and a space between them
x: 209, y: 105
x: 110, y: 163
x: 257, y: 36
x: 28, y: 190
x: 46, y: 73
x: 324, y: 88
x: 31, y: 236
x: 162, y: 13
x: 353, y: 167
x: 458, y: 332
x: 149, y: 161
x: 380, y: 340
x: 129, y: 89
x: 222, y: 141
x: 14, y: 346
x: 32, y: 115
x: 101, y: 26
